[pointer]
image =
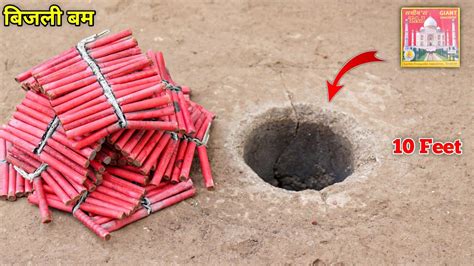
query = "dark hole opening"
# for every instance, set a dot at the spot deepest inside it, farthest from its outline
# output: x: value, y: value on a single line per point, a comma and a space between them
x: 298, y: 156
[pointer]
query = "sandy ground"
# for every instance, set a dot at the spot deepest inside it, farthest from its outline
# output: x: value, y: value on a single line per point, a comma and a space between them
x: 242, y: 59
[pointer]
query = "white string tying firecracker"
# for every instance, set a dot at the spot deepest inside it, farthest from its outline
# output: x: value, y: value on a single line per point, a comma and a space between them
x: 107, y: 89
x: 205, y: 138
x: 146, y: 204
x: 80, y: 201
x: 31, y: 176
x: 52, y: 126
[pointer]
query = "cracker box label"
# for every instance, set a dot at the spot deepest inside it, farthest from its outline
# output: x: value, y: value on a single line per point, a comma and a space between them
x: 430, y: 37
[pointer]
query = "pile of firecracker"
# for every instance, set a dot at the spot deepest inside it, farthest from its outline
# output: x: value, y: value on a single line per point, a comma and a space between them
x: 105, y: 134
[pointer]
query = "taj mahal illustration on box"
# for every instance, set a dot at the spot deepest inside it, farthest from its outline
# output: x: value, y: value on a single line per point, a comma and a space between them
x: 430, y: 39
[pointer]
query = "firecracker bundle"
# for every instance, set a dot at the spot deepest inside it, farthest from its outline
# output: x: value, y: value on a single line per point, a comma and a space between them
x: 105, y: 84
x: 105, y: 134
x: 12, y: 185
x: 141, y: 148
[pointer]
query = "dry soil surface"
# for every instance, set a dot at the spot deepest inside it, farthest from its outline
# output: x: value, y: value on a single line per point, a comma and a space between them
x: 246, y: 61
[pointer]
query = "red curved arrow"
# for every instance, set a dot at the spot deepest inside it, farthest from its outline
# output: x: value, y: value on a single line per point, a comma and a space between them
x: 360, y: 59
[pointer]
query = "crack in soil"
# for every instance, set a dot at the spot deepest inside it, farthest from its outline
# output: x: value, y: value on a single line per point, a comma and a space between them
x: 295, y: 133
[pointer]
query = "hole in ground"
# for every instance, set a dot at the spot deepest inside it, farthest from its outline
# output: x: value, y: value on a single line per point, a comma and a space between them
x: 298, y: 155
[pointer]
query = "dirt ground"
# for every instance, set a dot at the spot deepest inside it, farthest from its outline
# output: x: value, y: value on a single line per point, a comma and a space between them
x: 242, y: 59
